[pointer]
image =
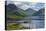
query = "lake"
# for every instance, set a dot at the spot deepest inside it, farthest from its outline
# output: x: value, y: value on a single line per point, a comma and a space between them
x: 31, y: 22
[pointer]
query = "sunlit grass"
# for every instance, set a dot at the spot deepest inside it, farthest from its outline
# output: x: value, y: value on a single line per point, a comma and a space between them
x: 14, y: 26
x: 14, y: 17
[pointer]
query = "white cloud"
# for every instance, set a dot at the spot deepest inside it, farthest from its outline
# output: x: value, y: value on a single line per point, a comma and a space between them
x: 17, y: 3
x: 24, y: 7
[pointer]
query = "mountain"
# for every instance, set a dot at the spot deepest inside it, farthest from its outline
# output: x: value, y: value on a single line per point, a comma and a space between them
x: 30, y: 11
x: 41, y: 12
x: 13, y: 10
x: 12, y: 6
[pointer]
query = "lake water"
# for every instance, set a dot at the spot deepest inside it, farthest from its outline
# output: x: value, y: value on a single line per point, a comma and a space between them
x: 33, y: 22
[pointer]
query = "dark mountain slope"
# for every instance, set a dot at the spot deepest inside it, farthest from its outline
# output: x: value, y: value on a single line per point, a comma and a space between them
x: 30, y: 11
x: 13, y: 11
x: 41, y: 12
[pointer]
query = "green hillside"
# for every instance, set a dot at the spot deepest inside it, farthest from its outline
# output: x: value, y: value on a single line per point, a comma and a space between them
x: 14, y: 12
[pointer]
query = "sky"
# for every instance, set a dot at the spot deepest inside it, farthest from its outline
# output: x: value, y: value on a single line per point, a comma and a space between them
x: 26, y: 5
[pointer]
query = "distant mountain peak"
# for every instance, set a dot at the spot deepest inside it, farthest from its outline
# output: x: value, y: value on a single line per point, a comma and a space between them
x: 41, y: 12
x: 30, y: 11
x: 12, y: 6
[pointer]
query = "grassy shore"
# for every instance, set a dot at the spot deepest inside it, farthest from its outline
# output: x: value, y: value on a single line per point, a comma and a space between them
x: 14, y: 26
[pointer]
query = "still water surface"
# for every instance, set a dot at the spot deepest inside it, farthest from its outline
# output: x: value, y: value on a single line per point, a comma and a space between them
x: 33, y: 22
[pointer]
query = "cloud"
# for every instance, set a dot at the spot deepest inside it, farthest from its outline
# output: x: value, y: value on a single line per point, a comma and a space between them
x: 24, y: 5
x: 37, y: 6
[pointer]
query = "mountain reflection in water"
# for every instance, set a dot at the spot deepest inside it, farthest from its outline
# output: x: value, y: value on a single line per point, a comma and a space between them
x: 33, y: 22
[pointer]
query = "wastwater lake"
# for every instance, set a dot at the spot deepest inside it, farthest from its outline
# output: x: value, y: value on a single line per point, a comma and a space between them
x: 31, y: 22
